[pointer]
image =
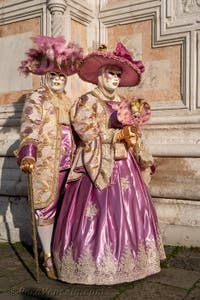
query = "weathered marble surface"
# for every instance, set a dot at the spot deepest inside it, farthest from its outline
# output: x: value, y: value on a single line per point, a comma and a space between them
x: 12, y: 49
x: 179, y: 221
x: 15, y: 219
x: 161, y: 79
x: 165, y: 35
x: 15, y: 40
x: 177, y: 178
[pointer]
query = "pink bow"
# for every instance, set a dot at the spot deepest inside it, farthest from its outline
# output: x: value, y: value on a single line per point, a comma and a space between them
x: 121, y: 51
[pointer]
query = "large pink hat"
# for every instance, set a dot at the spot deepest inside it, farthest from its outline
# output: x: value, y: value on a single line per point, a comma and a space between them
x: 51, y: 54
x: 131, y: 69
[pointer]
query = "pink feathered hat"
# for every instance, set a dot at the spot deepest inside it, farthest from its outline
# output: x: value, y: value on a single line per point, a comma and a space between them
x: 131, y: 69
x: 51, y: 54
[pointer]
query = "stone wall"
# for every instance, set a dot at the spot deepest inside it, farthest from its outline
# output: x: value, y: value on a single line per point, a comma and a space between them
x: 165, y: 35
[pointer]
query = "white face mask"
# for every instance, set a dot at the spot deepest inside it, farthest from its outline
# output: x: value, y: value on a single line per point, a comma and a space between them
x: 110, y: 78
x: 56, y: 81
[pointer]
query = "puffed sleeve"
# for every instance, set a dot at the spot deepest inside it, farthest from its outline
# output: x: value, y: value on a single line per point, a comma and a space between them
x: 88, y: 120
x: 83, y: 119
x: 30, y: 127
x: 87, y: 117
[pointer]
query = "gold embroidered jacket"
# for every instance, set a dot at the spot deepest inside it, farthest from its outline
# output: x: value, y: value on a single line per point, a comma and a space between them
x: 90, y: 119
x: 40, y: 127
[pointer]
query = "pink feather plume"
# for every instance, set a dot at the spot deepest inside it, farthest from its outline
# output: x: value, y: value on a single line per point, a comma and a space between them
x: 51, y: 54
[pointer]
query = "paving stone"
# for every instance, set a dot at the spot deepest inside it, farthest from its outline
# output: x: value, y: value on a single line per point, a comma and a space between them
x: 183, y: 257
x: 176, y: 277
x: 189, y: 260
x: 17, y: 281
x: 152, y: 291
x: 14, y: 276
x: 5, y: 251
x: 58, y: 290
x: 18, y: 297
x: 12, y: 264
x: 169, y: 250
x: 193, y: 295
x: 198, y: 283
x: 21, y: 260
x: 17, y: 274
x: 8, y: 282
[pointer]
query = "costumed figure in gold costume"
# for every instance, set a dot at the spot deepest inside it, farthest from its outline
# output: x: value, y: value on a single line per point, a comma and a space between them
x: 46, y: 142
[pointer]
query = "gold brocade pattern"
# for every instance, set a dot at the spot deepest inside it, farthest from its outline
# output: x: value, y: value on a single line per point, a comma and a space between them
x: 125, y: 183
x: 101, y: 94
x: 90, y: 118
x: 120, y: 151
x: 109, y: 270
x: 63, y: 104
x: 91, y: 210
x: 40, y: 127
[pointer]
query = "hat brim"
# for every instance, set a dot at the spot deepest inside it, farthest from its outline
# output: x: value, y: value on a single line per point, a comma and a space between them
x: 89, y: 68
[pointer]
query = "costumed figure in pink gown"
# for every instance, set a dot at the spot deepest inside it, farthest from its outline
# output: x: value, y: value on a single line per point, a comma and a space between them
x: 107, y: 231
x: 46, y: 141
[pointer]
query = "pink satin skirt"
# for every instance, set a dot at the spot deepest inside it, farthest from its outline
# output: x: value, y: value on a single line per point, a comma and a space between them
x: 109, y: 236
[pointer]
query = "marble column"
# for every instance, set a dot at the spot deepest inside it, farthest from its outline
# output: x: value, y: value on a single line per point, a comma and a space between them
x: 57, y: 9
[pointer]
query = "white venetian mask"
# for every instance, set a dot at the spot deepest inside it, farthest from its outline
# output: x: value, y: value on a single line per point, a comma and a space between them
x: 109, y: 78
x: 56, y: 81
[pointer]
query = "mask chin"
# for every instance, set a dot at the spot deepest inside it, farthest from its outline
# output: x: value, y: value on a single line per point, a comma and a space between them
x: 56, y: 89
x: 110, y: 86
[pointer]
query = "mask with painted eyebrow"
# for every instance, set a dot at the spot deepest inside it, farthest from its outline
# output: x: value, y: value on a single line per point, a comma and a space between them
x: 110, y: 79
x: 56, y: 81
x: 60, y: 75
x: 53, y: 74
x: 113, y: 73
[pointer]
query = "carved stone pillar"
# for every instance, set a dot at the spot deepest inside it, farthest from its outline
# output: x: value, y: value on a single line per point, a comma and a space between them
x: 57, y: 9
